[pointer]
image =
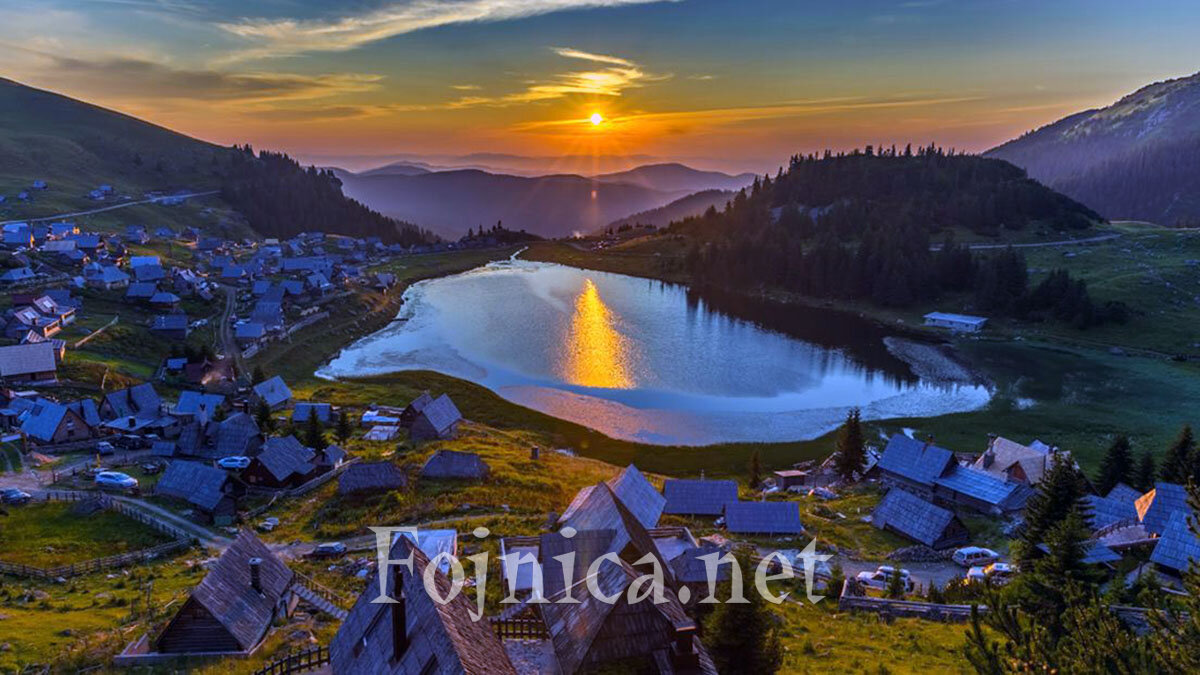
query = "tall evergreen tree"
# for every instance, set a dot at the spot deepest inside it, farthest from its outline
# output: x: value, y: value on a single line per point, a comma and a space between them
x: 342, y: 431
x: 1146, y: 472
x: 257, y: 375
x: 744, y: 637
x: 755, y: 470
x: 1059, y: 494
x: 851, y: 447
x: 314, y: 433
x: 1177, y: 464
x: 1116, y: 466
x: 262, y: 415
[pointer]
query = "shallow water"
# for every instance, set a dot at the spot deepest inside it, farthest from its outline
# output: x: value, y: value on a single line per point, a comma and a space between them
x: 647, y: 361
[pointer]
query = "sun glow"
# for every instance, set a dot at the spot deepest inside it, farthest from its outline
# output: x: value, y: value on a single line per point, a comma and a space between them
x: 596, y: 119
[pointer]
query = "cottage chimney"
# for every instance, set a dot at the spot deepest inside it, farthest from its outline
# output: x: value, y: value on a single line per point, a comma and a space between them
x: 928, y: 442
x: 256, y: 574
x: 535, y: 453
x: 991, y: 441
x: 684, y: 655
x: 989, y: 458
x: 132, y: 422
x: 399, y: 616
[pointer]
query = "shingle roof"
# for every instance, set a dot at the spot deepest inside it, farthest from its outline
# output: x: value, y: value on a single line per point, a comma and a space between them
x: 170, y: 322
x: 689, y: 568
x: 632, y: 488
x: 912, y: 517
x: 302, y: 410
x: 1105, y: 511
x: 915, y: 460
x: 251, y: 330
x: 227, y: 594
x: 441, y: 413
x: 140, y: 401
x: 1003, y: 453
x: 1178, y: 545
x: 27, y: 359
x: 284, y: 456
x: 1124, y: 493
x: 698, y: 497
x: 232, y: 436
x: 86, y: 408
x: 1156, y: 506
x: 440, y: 634
x: 192, y: 402
x: 142, y: 290
x: 372, y: 477
x: 763, y: 518
x: 980, y: 485
x: 193, y: 482
x: 273, y: 391
x: 43, y: 419
x: 453, y: 464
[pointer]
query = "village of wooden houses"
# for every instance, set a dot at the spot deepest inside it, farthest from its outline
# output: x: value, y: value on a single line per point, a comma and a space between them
x: 195, y: 511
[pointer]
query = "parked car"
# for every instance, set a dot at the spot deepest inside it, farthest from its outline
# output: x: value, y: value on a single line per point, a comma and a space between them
x: 14, y: 496
x: 269, y: 524
x: 236, y: 462
x: 331, y: 549
x: 105, y: 448
x: 115, y: 480
x: 999, y: 573
x: 882, y: 576
x: 972, y: 556
x: 129, y: 442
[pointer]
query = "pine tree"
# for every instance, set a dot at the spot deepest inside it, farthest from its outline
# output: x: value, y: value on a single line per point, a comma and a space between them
x: 262, y: 415
x: 895, y: 586
x: 755, y: 470
x: 257, y: 375
x: 343, y: 431
x: 314, y: 433
x: 1117, y: 465
x: 850, y: 446
x: 1146, y: 471
x: 744, y: 637
x: 1058, y: 495
x: 1178, y: 462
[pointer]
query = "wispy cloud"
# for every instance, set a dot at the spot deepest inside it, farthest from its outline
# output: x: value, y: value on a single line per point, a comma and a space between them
x: 289, y: 37
x: 466, y: 87
x: 135, y: 78
x: 611, y: 76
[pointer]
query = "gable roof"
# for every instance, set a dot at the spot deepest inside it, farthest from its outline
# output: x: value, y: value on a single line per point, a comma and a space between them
x: 638, y: 495
x: 418, y: 404
x: 273, y: 391
x: 86, y: 408
x: 453, y: 464
x: 1124, y: 493
x: 142, y: 290
x: 1155, y: 507
x: 43, y: 419
x: 440, y: 634
x: 283, y: 456
x: 1178, y: 545
x: 302, y: 410
x: 912, y: 517
x: 193, y: 482
x: 227, y: 594
x: 1105, y: 511
x: 984, y: 487
x: 1004, y: 453
x: 192, y: 402
x: 915, y: 460
x: 763, y: 518
x: 441, y: 413
x: 232, y: 436
x: 140, y: 401
x: 372, y: 477
x: 698, y: 497
x: 27, y: 359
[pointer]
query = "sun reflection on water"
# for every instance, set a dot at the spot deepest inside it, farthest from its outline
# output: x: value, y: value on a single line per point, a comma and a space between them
x: 596, y: 354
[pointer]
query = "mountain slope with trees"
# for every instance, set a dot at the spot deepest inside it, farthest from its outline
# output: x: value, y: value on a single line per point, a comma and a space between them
x: 1136, y: 159
x: 75, y: 146
x: 859, y: 227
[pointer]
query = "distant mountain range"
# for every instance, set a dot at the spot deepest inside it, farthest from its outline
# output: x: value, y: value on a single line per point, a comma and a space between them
x: 451, y: 202
x: 1136, y: 159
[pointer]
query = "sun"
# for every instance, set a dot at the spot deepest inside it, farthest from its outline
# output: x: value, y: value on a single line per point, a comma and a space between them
x: 596, y: 118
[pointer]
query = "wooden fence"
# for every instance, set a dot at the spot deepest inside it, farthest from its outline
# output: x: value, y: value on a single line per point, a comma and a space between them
x: 850, y: 600
x: 305, y: 488
x: 329, y: 595
x: 296, y: 662
x: 83, y: 340
x: 182, y: 540
x: 520, y: 628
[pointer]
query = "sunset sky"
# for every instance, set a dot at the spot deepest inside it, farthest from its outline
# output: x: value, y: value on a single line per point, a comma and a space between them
x: 733, y: 84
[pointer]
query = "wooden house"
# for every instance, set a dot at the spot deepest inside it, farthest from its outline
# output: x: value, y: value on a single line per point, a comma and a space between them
x: 921, y: 521
x: 282, y: 462
x: 455, y: 465
x: 231, y: 610
x: 698, y: 497
x: 438, y: 420
x: 415, y: 635
x: 207, y: 489
x: 372, y: 477
x: 413, y: 409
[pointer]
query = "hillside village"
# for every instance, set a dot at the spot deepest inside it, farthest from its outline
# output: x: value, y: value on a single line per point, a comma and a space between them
x: 206, y: 449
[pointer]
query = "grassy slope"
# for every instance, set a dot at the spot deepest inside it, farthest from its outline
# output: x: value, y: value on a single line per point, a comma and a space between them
x: 48, y: 535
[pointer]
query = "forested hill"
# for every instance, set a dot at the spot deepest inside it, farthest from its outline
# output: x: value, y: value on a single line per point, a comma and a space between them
x: 1138, y: 158
x: 860, y: 226
x: 280, y: 198
x: 75, y: 147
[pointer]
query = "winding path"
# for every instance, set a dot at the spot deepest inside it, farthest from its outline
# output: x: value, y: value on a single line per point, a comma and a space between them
x: 1040, y: 244
x: 111, y: 207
